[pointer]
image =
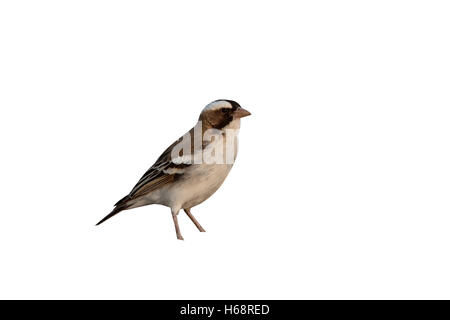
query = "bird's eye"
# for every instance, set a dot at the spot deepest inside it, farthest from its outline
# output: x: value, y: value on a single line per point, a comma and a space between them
x: 224, y: 110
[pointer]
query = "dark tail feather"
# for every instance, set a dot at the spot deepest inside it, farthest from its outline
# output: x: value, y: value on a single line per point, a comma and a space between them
x: 122, y: 201
x: 112, y: 214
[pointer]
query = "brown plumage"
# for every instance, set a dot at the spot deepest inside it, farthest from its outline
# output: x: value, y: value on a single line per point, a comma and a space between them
x: 166, y: 175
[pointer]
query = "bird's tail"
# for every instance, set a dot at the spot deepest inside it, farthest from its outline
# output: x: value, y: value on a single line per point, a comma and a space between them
x: 113, y: 213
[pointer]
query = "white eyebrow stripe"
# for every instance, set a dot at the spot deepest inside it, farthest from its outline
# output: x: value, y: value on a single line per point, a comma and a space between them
x: 218, y: 105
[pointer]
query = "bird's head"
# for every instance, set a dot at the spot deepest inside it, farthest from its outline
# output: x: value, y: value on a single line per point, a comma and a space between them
x: 220, y: 113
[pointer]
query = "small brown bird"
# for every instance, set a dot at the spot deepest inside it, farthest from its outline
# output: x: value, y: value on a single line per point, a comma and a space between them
x: 193, y: 168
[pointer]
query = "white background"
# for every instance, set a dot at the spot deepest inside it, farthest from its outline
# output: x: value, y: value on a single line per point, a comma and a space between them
x: 341, y: 188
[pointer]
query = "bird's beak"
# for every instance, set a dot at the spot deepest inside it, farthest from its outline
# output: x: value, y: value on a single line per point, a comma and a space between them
x: 241, y: 113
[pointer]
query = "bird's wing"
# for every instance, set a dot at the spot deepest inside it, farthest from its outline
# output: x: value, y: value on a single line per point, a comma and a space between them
x: 165, y: 170
x: 162, y: 172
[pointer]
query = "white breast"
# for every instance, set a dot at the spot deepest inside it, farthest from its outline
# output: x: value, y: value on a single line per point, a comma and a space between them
x: 199, y: 181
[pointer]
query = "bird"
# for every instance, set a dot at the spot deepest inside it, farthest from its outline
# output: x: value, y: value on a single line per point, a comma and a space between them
x: 192, y: 168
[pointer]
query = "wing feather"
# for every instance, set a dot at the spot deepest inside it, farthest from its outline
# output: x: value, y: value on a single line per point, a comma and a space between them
x: 165, y: 170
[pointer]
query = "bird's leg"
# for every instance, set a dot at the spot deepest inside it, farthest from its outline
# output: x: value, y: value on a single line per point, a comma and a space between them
x: 177, y: 227
x: 199, y: 227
